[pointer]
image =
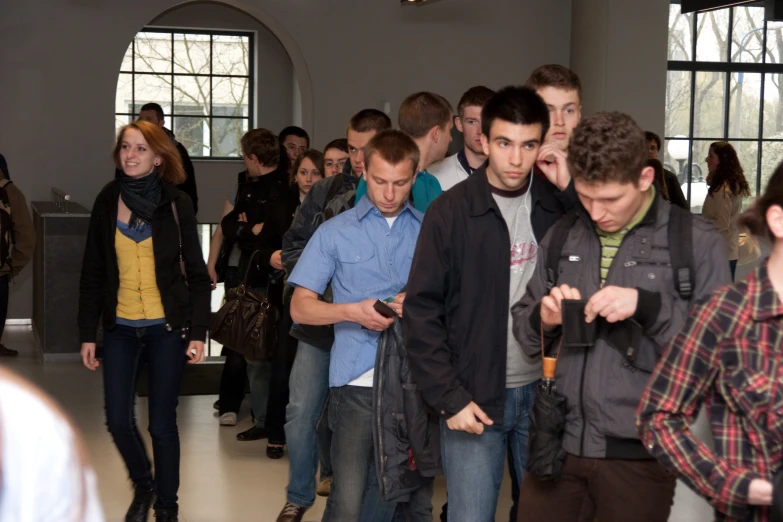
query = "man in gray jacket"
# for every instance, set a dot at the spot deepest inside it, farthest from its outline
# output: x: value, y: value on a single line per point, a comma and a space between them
x: 616, y: 256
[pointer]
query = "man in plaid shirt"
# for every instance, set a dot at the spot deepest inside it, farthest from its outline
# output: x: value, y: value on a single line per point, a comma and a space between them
x: 729, y: 356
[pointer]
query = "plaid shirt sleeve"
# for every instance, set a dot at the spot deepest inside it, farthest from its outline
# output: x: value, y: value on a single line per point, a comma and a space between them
x: 672, y: 400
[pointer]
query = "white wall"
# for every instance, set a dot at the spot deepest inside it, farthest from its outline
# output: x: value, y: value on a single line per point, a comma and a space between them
x: 58, y: 71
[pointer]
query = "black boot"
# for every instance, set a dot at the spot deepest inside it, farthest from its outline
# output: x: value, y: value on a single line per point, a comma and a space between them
x: 162, y: 515
x: 140, y: 507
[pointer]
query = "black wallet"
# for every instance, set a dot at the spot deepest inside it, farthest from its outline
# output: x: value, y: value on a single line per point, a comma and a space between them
x: 577, y: 333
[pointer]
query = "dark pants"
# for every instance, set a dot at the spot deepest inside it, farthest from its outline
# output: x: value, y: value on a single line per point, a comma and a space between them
x: 733, y: 268
x: 278, y: 384
x: 609, y: 490
x: 234, y: 376
x: 125, y: 352
x: 3, y: 303
x: 355, y: 493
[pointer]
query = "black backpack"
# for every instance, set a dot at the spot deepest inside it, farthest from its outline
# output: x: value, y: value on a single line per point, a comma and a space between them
x: 680, y: 232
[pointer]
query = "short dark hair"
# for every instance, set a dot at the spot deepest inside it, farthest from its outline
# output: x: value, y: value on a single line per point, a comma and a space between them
x: 606, y: 147
x: 367, y: 120
x: 476, y: 96
x: 555, y: 75
x: 651, y: 136
x: 153, y: 107
x: 517, y: 105
x: 264, y: 145
x: 299, y: 132
x: 422, y: 111
x: 394, y: 147
x: 316, y: 156
x: 339, y: 144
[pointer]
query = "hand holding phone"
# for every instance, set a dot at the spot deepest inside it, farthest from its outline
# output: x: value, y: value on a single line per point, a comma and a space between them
x: 384, y: 309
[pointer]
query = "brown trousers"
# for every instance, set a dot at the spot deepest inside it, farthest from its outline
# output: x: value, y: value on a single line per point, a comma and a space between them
x: 602, y: 489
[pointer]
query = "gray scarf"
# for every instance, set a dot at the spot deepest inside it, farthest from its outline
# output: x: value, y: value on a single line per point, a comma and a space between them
x: 142, y: 196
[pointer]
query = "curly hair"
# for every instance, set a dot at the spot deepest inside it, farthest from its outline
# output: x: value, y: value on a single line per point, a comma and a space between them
x: 729, y: 171
x: 755, y: 218
x: 607, y: 147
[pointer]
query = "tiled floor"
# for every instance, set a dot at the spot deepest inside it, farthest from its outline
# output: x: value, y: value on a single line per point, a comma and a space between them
x: 222, y: 480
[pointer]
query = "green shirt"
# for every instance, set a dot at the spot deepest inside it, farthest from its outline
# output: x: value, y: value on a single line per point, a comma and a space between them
x: 611, y: 241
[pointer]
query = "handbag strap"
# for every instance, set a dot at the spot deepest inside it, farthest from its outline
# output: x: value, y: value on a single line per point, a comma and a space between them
x: 249, y: 267
x: 179, y: 235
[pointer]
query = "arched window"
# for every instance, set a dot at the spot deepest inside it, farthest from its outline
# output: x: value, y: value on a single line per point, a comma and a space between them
x: 203, y: 80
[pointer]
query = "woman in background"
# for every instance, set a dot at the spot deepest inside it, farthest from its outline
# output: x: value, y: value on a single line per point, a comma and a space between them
x: 727, y: 187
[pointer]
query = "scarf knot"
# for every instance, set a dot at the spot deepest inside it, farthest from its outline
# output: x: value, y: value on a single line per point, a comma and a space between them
x: 142, y: 196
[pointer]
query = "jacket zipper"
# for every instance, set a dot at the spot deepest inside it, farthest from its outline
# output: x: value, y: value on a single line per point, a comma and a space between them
x: 591, y: 226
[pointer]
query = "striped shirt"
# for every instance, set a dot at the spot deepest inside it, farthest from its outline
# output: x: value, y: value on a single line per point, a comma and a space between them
x: 611, y: 241
x: 729, y: 359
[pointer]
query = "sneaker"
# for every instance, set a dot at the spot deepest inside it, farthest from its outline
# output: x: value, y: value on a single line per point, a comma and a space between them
x: 216, y: 405
x: 7, y: 352
x: 228, y: 419
x: 324, y: 487
x: 291, y: 513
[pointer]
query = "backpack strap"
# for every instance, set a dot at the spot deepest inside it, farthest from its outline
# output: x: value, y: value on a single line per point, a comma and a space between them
x: 680, y: 235
x: 555, y: 249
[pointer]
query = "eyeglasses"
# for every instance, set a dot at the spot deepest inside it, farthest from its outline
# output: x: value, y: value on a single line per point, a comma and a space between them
x: 339, y: 163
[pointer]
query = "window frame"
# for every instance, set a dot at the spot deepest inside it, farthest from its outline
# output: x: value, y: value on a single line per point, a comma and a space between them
x: 725, y: 67
x: 251, y: 75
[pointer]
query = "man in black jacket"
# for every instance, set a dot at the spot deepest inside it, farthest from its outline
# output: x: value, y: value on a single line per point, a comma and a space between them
x: 310, y: 374
x: 464, y: 359
x: 153, y: 113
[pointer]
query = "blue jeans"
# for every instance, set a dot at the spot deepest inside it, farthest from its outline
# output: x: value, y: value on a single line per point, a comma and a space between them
x: 308, y: 386
x: 355, y: 495
x: 126, y: 350
x: 474, y: 464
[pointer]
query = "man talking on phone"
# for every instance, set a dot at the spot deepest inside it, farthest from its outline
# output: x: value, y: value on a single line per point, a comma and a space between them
x: 621, y: 270
x: 365, y: 253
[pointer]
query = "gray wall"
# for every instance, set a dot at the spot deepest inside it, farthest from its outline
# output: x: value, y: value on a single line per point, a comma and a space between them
x: 62, y: 57
x: 619, y: 49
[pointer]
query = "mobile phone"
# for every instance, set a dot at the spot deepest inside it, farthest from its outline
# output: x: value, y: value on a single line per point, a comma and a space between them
x: 577, y: 333
x: 384, y: 309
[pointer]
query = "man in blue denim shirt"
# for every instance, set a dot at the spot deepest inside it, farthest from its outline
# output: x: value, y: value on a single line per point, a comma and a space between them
x: 366, y: 254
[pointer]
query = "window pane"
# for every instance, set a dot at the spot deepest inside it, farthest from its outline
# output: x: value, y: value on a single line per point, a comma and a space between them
x: 774, y: 42
x: 712, y: 36
x: 124, y: 98
x: 698, y: 170
x: 230, y: 96
x: 191, y: 53
x: 193, y: 133
x: 708, y: 116
x: 120, y: 121
x: 191, y: 95
x: 231, y: 55
x: 678, y: 103
x: 771, y: 156
x: 744, y: 106
x: 748, y: 154
x: 226, y: 134
x: 680, y: 34
x: 152, y: 88
x: 748, y: 34
x: 127, y: 60
x: 773, y: 109
x: 153, y: 52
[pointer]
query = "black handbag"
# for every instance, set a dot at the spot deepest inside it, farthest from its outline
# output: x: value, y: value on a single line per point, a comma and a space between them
x: 546, y: 455
x: 247, y: 322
